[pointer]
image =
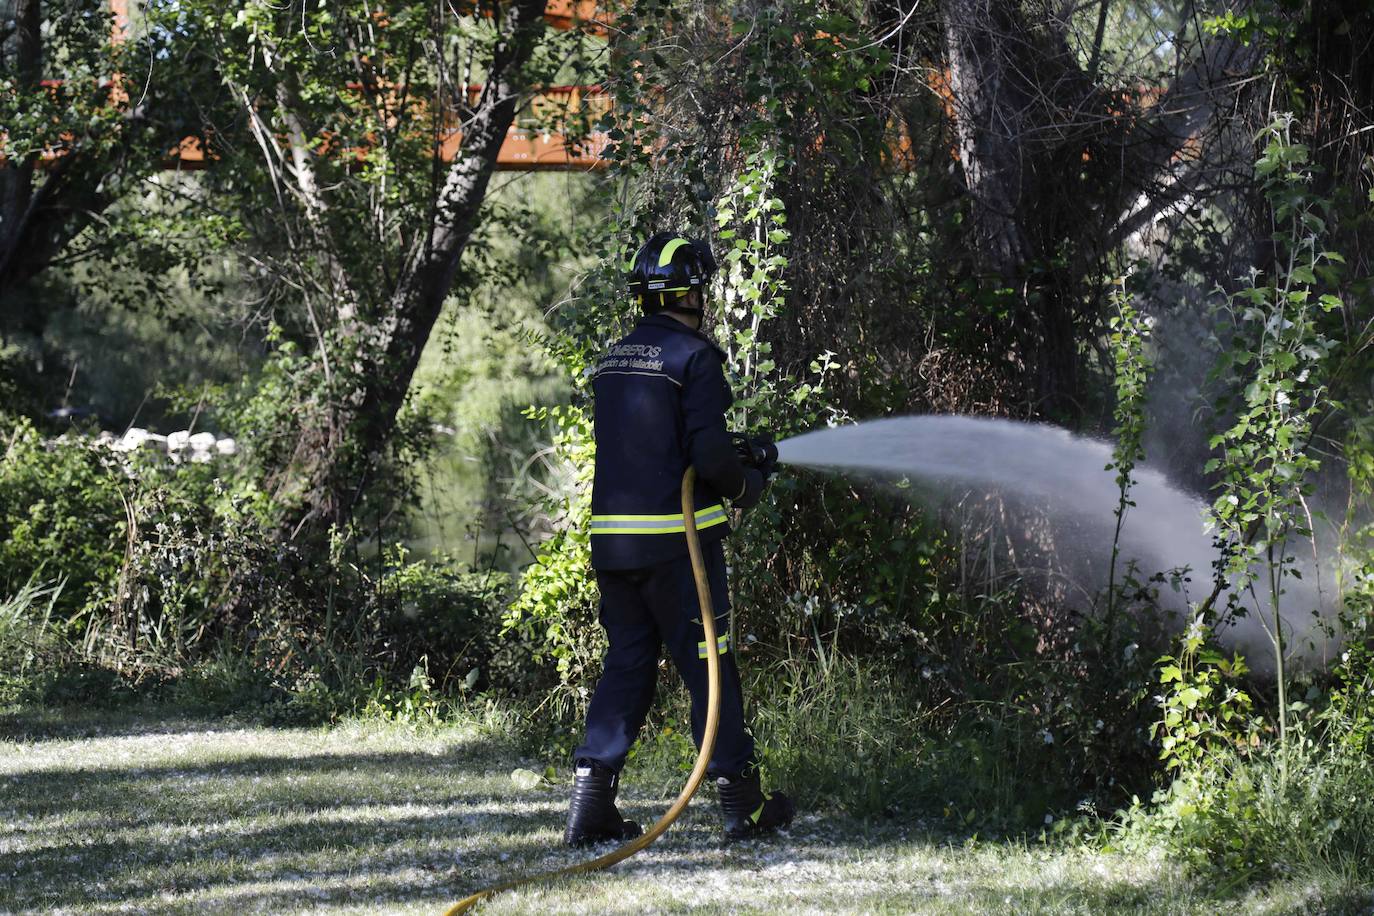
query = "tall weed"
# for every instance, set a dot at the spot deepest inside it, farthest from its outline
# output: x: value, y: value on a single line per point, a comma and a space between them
x: 27, y: 640
x: 1304, y: 806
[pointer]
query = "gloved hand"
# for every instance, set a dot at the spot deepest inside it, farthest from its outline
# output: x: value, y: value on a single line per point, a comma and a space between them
x: 756, y: 452
x: 766, y: 455
x: 753, y: 490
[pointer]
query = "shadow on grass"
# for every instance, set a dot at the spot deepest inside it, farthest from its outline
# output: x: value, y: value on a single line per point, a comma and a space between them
x: 34, y: 724
x: 379, y: 829
x: 279, y: 832
x: 72, y: 835
x: 261, y: 785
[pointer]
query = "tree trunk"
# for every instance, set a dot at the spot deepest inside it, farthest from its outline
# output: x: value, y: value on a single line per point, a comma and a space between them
x: 990, y: 101
x: 1059, y: 172
x: 338, y: 455
x: 16, y: 176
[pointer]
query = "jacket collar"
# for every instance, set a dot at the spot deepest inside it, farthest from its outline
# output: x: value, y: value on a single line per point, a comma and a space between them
x: 669, y: 323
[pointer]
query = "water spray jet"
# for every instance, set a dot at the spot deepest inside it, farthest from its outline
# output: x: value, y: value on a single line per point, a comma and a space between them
x: 1068, y: 478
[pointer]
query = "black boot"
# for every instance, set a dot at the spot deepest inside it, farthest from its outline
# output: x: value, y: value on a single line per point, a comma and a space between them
x: 592, y: 814
x: 749, y: 811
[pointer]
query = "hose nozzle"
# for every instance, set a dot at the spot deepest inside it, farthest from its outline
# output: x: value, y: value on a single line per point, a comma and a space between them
x: 756, y: 451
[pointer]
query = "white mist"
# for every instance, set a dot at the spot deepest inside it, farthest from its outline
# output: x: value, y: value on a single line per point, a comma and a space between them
x: 1067, y: 476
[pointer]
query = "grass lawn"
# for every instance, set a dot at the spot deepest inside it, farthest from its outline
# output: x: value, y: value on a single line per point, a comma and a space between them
x: 141, y: 811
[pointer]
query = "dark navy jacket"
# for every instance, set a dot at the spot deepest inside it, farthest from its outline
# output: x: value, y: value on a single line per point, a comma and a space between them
x: 661, y: 398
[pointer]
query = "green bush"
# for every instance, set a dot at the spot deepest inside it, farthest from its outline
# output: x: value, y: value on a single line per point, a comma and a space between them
x: 79, y: 682
x: 450, y: 620
x: 223, y: 682
x: 1307, y: 805
x: 172, y: 581
x: 62, y: 513
x: 1240, y: 810
x: 143, y: 547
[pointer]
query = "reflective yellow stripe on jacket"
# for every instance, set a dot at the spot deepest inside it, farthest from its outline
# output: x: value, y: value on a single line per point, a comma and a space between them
x: 655, y: 524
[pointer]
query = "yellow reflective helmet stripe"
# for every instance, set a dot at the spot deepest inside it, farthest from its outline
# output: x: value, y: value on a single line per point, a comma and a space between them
x: 665, y: 257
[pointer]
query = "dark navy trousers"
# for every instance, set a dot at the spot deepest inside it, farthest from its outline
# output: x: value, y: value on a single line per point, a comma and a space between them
x: 642, y: 610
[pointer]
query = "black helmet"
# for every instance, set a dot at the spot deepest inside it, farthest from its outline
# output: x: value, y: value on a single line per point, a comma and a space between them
x: 667, y: 268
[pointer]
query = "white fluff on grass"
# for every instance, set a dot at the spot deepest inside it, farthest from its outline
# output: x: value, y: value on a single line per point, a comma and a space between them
x: 367, y: 817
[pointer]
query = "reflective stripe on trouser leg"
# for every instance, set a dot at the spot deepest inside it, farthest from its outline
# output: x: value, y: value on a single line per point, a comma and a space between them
x: 722, y: 645
x: 638, y: 608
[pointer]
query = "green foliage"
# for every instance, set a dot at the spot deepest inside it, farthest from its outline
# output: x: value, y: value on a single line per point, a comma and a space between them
x: 104, y: 106
x: 62, y: 512
x: 77, y: 38
x: 1278, y: 360
x: 1264, y: 458
x: 224, y: 681
x: 150, y: 550
x: 1205, y: 710
x: 1130, y: 332
x: 751, y: 223
x: 1307, y: 805
x: 432, y: 612
x: 1240, y: 809
x: 556, y: 607
x: 28, y: 642
x: 149, y: 301
x: 145, y: 546
x: 417, y: 704
x: 1349, y: 714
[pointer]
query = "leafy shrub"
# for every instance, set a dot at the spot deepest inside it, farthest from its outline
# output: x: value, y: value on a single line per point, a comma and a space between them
x: 1239, y: 810
x: 416, y: 704
x: 79, y: 682
x: 62, y: 513
x: 1304, y: 805
x: 172, y: 579
x: 142, y: 546
x: 448, y: 622
x: 1204, y: 708
x: 555, y: 610
x: 224, y: 681
x: 1350, y: 710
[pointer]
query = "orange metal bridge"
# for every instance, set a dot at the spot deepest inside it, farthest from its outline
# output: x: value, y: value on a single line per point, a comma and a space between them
x: 528, y: 147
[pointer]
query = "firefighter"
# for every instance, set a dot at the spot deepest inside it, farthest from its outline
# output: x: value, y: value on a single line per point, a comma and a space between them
x: 660, y: 401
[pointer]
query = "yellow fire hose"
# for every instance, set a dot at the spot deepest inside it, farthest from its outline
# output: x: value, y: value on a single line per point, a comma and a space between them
x: 708, y: 739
